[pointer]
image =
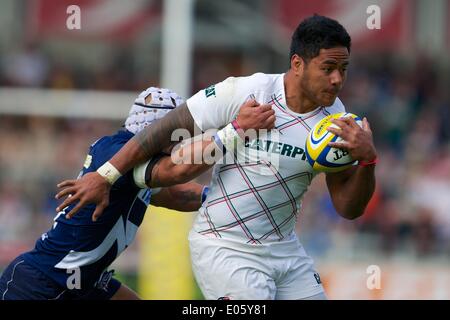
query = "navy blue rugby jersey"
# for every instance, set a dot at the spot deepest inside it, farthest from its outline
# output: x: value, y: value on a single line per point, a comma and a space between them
x: 81, y: 245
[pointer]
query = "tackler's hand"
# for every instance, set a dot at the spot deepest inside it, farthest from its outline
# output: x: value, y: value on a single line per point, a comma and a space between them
x: 90, y: 188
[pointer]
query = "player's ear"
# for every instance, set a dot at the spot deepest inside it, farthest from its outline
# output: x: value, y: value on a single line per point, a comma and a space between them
x: 297, y: 64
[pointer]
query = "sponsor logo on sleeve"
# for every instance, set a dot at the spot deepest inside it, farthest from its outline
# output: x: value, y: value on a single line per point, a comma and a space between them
x: 210, y: 91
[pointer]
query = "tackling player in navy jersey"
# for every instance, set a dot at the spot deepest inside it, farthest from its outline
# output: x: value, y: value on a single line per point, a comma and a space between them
x: 70, y: 260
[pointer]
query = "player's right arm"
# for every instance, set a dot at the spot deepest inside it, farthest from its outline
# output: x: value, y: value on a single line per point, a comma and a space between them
x: 94, y: 188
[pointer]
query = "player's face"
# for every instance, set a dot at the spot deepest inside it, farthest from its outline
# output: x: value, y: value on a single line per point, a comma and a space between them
x: 324, y: 75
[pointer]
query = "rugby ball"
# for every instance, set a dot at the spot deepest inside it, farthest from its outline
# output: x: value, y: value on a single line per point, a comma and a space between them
x: 322, y: 157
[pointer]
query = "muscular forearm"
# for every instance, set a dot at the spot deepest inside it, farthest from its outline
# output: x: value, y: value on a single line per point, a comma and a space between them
x: 353, y: 194
x: 185, y: 164
x: 152, y: 139
x: 186, y: 197
x: 166, y: 173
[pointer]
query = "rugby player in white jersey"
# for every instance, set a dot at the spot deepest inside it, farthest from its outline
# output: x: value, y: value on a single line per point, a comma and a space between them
x: 243, y: 244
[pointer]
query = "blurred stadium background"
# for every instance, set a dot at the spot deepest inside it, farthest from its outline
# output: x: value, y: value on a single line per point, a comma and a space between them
x: 61, y: 89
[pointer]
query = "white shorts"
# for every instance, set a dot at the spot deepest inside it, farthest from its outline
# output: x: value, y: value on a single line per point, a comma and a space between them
x: 238, y: 271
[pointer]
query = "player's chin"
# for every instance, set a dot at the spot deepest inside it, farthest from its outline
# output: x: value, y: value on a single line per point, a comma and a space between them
x: 327, y: 99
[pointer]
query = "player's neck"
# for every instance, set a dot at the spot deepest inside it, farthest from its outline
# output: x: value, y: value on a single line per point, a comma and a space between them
x: 295, y: 98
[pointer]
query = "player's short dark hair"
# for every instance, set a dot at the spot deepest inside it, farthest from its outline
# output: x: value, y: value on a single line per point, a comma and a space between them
x: 315, y: 33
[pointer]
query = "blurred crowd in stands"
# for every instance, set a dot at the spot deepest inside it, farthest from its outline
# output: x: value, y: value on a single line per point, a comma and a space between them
x: 31, y: 67
x: 406, y: 101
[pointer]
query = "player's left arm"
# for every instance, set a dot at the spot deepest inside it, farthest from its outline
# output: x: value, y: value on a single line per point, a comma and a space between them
x: 352, y: 189
x: 191, y: 158
x: 180, y: 167
x: 186, y: 197
x: 94, y: 187
x: 172, y: 173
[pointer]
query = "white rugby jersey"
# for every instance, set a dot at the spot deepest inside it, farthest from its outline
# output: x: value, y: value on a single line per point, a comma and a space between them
x: 256, y: 201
